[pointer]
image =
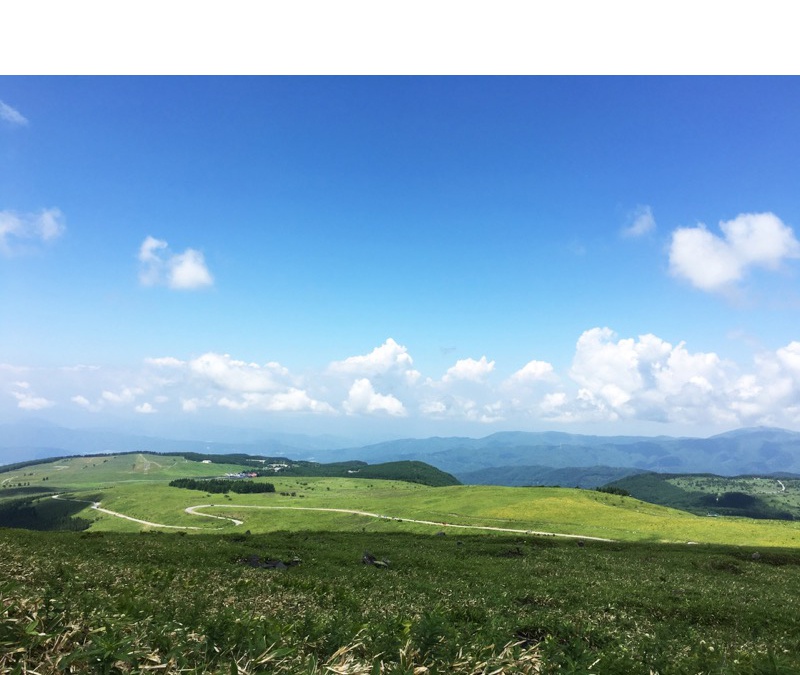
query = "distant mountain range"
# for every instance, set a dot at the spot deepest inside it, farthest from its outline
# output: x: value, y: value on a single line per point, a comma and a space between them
x: 509, y: 458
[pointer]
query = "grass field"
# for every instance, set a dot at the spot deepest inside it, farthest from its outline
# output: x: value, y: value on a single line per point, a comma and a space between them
x: 121, y: 603
x: 124, y: 597
x: 557, y: 510
x: 136, y: 485
x: 114, y: 469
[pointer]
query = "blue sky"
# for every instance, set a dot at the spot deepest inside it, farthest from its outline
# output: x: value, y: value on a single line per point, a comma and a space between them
x: 401, y: 256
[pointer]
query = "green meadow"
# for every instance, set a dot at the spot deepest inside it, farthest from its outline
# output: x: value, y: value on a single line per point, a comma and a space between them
x: 94, y: 471
x: 482, y: 586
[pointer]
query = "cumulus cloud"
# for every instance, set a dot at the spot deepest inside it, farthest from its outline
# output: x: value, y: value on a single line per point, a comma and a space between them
x: 296, y: 400
x: 389, y: 357
x: 12, y: 116
x: 713, y: 263
x: 648, y: 378
x: 643, y: 222
x: 239, y: 385
x: 21, y: 233
x: 363, y: 399
x: 613, y: 380
x: 469, y: 369
x: 158, y: 266
x: 226, y: 373
x: 292, y: 400
x: 533, y: 371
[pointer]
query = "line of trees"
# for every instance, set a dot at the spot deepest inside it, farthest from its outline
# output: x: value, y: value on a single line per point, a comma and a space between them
x: 222, y: 486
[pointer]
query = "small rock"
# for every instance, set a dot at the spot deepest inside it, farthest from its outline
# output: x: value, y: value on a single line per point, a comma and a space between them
x: 369, y: 559
x: 275, y: 565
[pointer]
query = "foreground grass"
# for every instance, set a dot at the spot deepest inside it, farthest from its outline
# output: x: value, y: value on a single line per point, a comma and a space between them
x: 118, y: 603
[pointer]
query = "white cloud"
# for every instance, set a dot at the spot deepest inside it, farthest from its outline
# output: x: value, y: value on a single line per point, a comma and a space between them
x: 20, y: 232
x: 713, y: 263
x: 297, y: 400
x: 28, y: 400
x: 533, y: 371
x: 643, y: 222
x: 165, y: 362
x: 649, y: 379
x: 293, y: 400
x: 390, y: 356
x: 179, y: 271
x: 552, y: 403
x: 188, y: 270
x: 363, y: 398
x: 12, y: 116
x: 454, y: 406
x: 192, y: 405
x: 612, y: 381
x: 434, y: 408
x: 85, y: 403
x: 125, y: 395
x: 469, y: 369
x: 229, y: 374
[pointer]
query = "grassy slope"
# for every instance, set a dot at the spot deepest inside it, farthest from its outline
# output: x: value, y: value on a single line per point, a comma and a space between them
x: 696, y: 493
x: 561, y: 510
x: 135, y: 485
x: 116, y: 602
x: 97, y: 471
x: 120, y: 603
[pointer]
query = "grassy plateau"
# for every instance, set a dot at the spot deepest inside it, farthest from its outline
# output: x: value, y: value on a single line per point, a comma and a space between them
x: 285, y: 582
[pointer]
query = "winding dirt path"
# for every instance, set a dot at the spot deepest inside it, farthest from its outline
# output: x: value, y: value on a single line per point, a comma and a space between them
x: 96, y: 506
x: 192, y: 510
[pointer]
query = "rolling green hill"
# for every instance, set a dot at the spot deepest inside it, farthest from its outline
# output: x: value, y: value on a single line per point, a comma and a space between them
x: 707, y: 494
x: 131, y: 493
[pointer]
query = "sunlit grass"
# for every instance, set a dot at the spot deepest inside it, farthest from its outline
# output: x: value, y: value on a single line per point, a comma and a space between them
x: 128, y: 603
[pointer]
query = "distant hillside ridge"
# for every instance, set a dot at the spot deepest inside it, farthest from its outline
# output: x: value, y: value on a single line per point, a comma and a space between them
x: 757, y: 451
x: 534, y: 476
x: 774, y: 497
x: 409, y: 471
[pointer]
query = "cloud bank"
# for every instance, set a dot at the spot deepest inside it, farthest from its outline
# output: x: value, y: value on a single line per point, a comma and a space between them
x: 612, y: 381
